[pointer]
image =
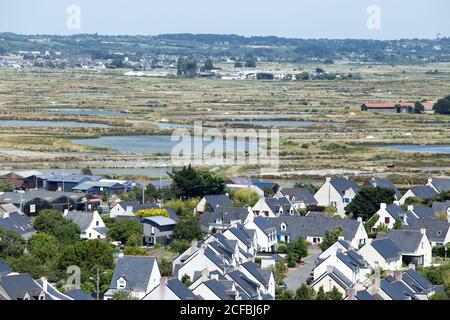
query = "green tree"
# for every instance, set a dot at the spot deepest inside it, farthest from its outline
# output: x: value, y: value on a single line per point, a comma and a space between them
x: 331, y: 236
x: 418, y: 107
x: 442, y: 106
x: 297, y: 249
x: 165, y: 267
x: 11, y: 244
x: 6, y: 187
x: 135, y: 251
x: 188, y: 229
x: 367, y: 202
x: 186, y: 67
x: 398, y: 225
x: 86, y: 171
x: 208, y: 65
x: 52, y: 222
x: 30, y: 264
x: 45, y: 247
x: 306, y: 185
x: 191, y: 182
x: 179, y: 246
x: 334, y: 294
x: 250, y: 62
x: 125, y: 230
x: 88, y: 255
x: 284, y: 294
x: 280, y: 271
x: 305, y: 292
x: 186, y: 280
x: 244, y: 197
x: 321, y: 295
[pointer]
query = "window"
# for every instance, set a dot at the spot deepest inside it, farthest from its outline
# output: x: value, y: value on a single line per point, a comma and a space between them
x: 90, y: 235
x: 333, y: 204
x: 387, y: 220
x: 97, y: 223
x: 346, y: 200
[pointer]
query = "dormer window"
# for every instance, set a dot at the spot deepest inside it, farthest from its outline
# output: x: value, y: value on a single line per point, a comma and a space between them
x: 283, y: 227
x: 121, y: 283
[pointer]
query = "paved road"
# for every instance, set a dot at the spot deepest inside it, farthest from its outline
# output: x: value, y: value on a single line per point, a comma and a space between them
x: 297, y: 276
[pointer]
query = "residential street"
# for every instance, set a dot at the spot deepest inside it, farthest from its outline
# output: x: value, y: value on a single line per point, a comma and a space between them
x: 298, y: 275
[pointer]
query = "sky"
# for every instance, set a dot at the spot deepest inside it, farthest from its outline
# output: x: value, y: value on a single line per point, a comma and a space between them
x: 362, y: 19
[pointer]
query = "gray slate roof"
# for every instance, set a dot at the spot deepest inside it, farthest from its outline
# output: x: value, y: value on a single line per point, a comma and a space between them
x: 417, y: 282
x: 407, y: 240
x: 397, y: 290
x: 313, y: 226
x: 342, y: 185
x: 395, y: 211
x: 82, y: 219
x: 218, y: 288
x: 423, y: 192
x: 442, y: 185
x: 18, y: 223
x: 221, y: 200
x: 387, y: 249
x: 16, y: 286
x: 384, y: 183
x: 227, y: 213
x: 423, y: 212
x: 180, y: 290
x: 135, y: 270
x: 436, y: 229
x: 439, y: 207
x: 78, y: 294
x: 299, y: 195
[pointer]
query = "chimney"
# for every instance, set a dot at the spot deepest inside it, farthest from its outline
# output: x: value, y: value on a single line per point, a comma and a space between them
x: 215, y: 276
x: 397, y: 275
x: 44, y: 284
x: 346, y: 177
x: 120, y: 255
x: 374, y: 287
x: 430, y: 180
x: 351, y: 294
x: 327, y: 179
x: 330, y: 269
x: 383, y: 206
x: 340, y: 237
x: 410, y: 208
x: 66, y: 212
x: 397, y: 202
x: 423, y: 231
x: 359, y: 219
x: 412, y: 266
x: 205, y: 274
x: 193, y: 247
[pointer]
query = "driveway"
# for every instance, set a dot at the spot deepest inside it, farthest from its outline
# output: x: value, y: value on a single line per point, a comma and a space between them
x: 297, y: 276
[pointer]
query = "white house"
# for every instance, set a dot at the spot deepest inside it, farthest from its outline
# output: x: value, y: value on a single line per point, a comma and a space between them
x: 383, y: 253
x: 415, y: 246
x: 350, y: 264
x: 301, y: 198
x: 274, y: 207
x: 170, y: 289
x: 213, y: 203
x: 437, y: 231
x: 246, y: 238
x: 340, y: 245
x: 389, y: 214
x: 330, y: 279
x: 265, y: 278
x: 266, y: 235
x: 439, y: 185
x: 135, y: 276
x: 91, y: 224
x: 337, y: 193
x: 421, y: 192
x: 203, y: 258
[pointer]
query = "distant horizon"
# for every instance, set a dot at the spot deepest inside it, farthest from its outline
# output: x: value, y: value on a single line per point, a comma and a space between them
x: 215, y: 34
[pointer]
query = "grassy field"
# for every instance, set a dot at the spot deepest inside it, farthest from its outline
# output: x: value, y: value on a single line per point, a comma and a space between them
x: 306, y: 152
